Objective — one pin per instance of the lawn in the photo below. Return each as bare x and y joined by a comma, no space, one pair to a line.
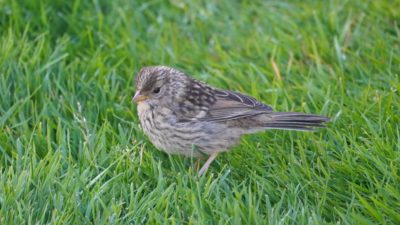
72,151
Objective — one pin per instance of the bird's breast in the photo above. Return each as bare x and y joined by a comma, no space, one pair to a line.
190,138
165,132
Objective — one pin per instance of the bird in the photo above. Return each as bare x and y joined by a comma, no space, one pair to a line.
184,116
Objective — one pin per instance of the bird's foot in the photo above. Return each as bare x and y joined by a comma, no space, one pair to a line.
207,163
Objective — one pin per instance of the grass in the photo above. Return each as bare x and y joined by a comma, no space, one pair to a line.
71,150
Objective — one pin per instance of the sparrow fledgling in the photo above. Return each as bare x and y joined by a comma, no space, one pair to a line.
181,115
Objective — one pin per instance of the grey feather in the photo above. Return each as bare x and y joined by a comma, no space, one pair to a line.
295,121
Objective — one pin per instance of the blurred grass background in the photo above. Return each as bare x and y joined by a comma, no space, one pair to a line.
71,150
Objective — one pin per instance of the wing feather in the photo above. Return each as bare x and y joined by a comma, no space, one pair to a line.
204,103
230,105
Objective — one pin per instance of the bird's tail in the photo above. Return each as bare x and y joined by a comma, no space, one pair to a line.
295,121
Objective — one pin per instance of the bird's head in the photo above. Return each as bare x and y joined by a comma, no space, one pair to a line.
159,85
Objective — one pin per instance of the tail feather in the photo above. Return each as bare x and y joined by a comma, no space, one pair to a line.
295,121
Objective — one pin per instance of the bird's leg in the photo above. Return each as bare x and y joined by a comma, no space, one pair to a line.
207,164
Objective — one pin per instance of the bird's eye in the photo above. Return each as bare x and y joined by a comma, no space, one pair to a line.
156,90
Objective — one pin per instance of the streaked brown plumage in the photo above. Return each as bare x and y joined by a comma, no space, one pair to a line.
181,115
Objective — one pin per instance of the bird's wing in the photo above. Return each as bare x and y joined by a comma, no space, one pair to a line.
204,103
231,105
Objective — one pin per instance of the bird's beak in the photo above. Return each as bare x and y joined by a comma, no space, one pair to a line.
139,97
